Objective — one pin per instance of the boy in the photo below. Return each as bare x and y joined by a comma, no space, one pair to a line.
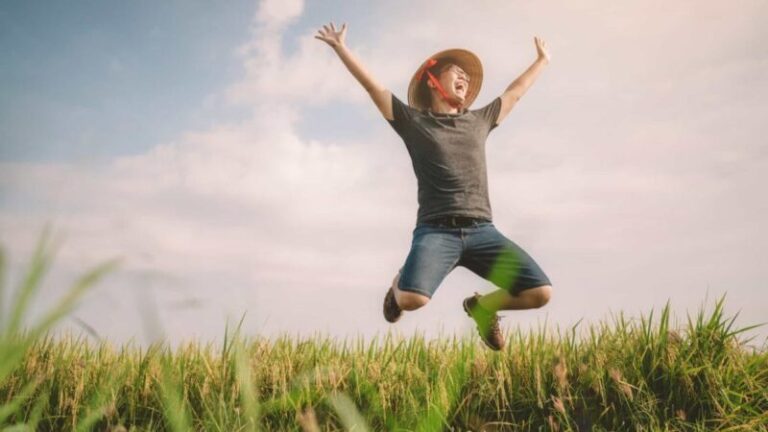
446,142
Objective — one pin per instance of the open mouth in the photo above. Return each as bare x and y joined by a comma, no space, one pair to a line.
460,86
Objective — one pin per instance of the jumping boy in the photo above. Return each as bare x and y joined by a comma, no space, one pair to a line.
446,142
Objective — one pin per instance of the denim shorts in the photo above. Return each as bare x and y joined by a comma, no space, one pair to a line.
436,250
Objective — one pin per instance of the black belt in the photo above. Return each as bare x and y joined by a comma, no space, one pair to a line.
455,221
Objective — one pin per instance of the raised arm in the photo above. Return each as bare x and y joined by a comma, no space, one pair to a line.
517,89
381,96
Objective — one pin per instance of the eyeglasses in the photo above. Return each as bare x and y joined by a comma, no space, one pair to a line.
458,71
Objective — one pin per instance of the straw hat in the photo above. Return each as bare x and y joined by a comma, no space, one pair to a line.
418,92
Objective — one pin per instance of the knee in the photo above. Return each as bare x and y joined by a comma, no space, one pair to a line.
541,295
411,301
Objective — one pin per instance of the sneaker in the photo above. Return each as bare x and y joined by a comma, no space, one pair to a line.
487,323
392,311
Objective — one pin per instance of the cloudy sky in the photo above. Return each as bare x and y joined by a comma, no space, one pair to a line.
235,166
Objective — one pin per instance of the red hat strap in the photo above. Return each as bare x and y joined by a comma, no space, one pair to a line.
425,69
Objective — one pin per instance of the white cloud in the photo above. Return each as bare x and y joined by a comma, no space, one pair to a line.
312,74
277,13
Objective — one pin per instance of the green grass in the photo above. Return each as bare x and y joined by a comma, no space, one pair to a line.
621,374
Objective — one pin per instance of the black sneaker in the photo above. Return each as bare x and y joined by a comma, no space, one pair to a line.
487,323
392,311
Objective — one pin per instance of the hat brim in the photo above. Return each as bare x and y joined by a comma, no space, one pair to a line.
466,60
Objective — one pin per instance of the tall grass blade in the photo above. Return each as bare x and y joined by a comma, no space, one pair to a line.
248,396
348,413
37,268
2,291
14,405
100,404
70,299
174,407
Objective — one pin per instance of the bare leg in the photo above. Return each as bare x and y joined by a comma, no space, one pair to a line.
407,300
527,299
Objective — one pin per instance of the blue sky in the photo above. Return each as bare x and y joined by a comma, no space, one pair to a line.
235,166
98,79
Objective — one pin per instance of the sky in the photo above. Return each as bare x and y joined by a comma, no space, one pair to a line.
237,170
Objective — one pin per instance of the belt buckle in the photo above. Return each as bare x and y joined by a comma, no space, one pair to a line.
460,221
454,221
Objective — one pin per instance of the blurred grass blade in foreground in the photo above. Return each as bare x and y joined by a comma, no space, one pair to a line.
15,340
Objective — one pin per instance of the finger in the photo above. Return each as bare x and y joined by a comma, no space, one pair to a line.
333,28
326,28
344,27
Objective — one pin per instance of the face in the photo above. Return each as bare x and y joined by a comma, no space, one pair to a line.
455,81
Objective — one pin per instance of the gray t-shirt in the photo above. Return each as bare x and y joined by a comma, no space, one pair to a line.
448,156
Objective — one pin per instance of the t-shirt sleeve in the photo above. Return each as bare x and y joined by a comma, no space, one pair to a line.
489,113
402,114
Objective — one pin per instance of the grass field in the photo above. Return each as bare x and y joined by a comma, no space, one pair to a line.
622,374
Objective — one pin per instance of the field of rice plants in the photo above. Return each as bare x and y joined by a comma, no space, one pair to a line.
624,374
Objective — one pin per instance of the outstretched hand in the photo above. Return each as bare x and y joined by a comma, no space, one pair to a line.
329,35
541,48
